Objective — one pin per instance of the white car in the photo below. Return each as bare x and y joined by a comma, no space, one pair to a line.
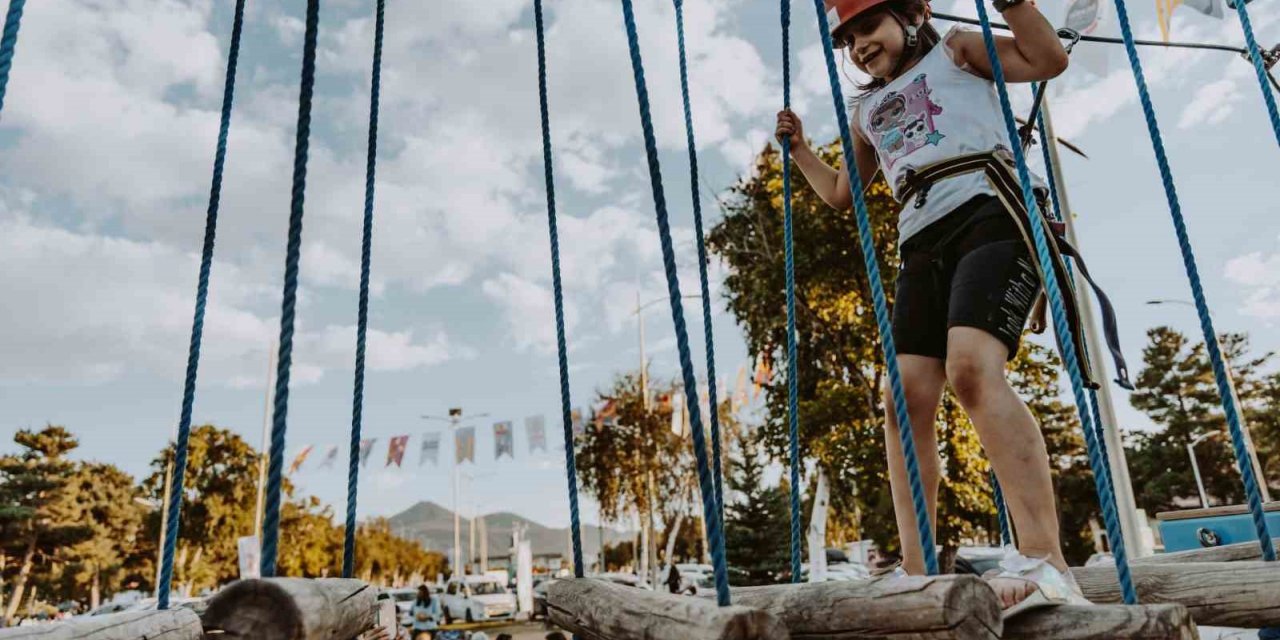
476,598
404,599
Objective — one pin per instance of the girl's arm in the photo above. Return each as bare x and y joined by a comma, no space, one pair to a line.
831,184
1033,54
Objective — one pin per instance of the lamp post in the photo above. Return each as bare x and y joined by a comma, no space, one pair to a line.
1235,399
454,418
644,368
1195,466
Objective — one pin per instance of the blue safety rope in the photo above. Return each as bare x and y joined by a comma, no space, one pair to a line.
275,465
923,522
9,42
362,324
202,294
715,532
1225,388
1002,511
1259,68
702,268
793,403
1097,459
570,465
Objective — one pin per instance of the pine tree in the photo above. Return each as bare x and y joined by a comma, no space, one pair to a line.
757,521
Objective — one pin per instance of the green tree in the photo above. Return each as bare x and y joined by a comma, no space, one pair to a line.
1177,390
34,519
102,497
757,522
385,558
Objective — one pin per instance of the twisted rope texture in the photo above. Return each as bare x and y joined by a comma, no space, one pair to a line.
362,323
8,43
1225,387
793,403
275,464
570,464
713,402
1097,459
1002,511
923,523
1259,67
202,287
715,532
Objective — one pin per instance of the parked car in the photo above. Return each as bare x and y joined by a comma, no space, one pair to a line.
540,598
404,599
476,598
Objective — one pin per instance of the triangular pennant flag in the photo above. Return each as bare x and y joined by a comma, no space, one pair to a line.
465,444
536,430
330,457
579,426
430,448
366,448
503,441
302,456
395,451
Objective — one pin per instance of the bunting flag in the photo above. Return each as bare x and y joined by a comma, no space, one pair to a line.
330,457
579,426
1165,9
464,441
302,456
1089,17
366,448
503,440
607,414
740,389
395,451
430,448
536,430
764,371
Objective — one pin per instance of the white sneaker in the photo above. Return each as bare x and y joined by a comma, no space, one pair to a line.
1052,587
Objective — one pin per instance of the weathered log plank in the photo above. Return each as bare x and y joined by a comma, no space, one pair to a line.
916,607
293,609
600,610
1103,622
1240,551
173,624
1228,594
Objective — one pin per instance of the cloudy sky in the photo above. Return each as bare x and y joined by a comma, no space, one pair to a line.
108,134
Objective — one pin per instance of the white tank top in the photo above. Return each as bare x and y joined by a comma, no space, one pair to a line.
935,111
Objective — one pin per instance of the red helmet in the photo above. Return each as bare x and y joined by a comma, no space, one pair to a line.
841,11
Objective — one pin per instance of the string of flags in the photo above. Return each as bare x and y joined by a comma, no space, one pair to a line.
752,377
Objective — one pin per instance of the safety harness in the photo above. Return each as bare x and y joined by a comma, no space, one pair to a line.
997,167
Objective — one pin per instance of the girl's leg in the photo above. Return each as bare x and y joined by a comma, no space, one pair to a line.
1011,437
922,380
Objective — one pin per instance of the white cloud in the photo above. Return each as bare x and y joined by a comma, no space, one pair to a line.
1259,275
1211,104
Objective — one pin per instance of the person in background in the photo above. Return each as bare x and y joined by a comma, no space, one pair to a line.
426,612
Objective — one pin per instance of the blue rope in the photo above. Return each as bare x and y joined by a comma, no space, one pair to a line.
275,465
715,532
1259,68
570,465
8,42
1229,407
1002,511
713,403
793,403
362,324
1097,459
202,290
923,522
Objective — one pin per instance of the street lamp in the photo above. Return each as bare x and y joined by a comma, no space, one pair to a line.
455,417
1195,467
644,373
1235,399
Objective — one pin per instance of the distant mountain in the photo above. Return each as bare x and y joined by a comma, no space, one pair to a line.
432,525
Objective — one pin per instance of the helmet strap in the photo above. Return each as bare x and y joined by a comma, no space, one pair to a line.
913,37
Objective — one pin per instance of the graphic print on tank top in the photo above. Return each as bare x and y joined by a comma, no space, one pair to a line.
903,122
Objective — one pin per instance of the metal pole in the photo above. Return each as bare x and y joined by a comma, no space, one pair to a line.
1126,505
1195,468
644,369
1244,427
454,416
164,521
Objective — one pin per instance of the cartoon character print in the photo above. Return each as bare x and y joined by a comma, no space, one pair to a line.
903,122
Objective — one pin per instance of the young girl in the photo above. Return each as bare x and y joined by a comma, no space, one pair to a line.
929,118
425,613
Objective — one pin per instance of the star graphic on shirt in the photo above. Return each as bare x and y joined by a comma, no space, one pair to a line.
934,138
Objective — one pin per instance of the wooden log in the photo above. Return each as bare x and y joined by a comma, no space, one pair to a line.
1241,551
173,624
1227,594
600,610
915,607
1103,622
293,609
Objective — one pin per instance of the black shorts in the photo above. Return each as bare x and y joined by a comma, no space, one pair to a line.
969,269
